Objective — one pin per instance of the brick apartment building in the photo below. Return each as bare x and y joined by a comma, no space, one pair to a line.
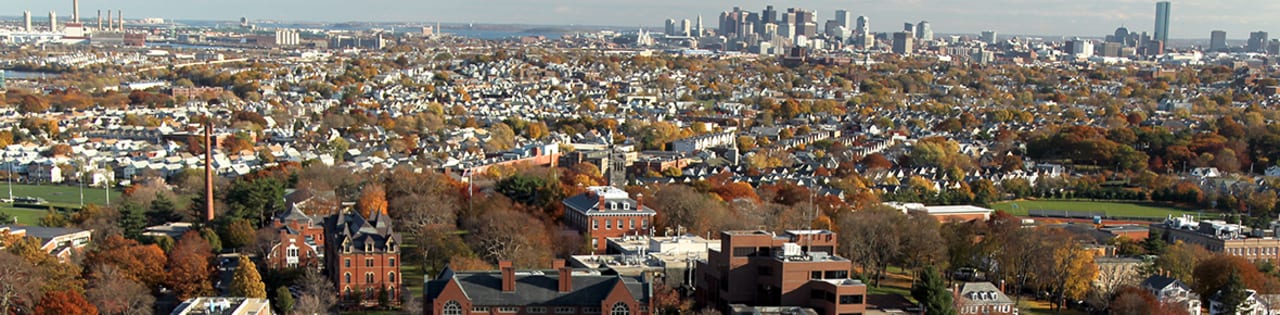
362,257
604,211
759,268
560,291
300,242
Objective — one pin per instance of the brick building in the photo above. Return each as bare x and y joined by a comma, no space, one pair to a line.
603,212
300,242
759,268
982,298
560,291
362,257
1221,237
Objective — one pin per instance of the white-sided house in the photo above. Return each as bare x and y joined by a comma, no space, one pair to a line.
44,173
1273,171
1174,292
1255,304
1205,172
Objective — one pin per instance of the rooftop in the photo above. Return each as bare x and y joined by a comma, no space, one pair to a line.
223,306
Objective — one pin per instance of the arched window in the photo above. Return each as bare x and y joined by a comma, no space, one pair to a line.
391,277
348,276
620,309
368,277
452,308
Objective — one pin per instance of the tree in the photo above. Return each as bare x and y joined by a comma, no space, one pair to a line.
134,261
1132,300
283,300
162,211
237,234
256,199
504,234
132,220
1232,293
373,199
65,303
1180,261
872,238
1071,266
931,290
1209,277
189,270
113,292
316,294
501,138
59,276
20,284
246,282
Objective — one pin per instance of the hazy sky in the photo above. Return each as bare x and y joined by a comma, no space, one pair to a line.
1191,18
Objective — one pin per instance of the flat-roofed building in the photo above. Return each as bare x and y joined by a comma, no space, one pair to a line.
793,269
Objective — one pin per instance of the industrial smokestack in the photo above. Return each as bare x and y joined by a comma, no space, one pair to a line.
75,11
99,20
208,165
53,21
120,15
26,20
111,24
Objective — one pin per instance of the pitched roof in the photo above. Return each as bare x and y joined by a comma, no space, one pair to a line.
1159,282
616,202
537,288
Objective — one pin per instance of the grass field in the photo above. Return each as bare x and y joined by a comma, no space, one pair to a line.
61,196
1116,209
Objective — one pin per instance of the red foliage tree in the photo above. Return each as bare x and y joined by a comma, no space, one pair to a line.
65,303
138,262
189,270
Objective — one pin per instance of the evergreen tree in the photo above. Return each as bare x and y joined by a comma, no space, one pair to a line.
931,291
162,211
1232,294
132,220
284,300
246,282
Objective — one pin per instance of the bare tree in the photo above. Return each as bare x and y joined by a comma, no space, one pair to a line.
114,293
873,239
20,284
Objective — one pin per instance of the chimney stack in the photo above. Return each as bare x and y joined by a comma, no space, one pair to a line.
600,197
75,11
508,276
99,20
111,23
208,164
639,202
1001,286
120,15
566,275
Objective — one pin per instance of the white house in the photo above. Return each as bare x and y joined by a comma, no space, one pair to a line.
1174,292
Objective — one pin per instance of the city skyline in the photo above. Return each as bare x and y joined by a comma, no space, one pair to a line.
1191,19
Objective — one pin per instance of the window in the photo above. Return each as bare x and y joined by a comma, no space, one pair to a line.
346,262
368,277
837,274
815,275
620,309
633,224
391,248
292,252
368,262
608,224
591,310
391,277
536,310
391,262
743,251
482,309
595,243
595,224
644,308
851,299
508,309
348,277
644,223
565,310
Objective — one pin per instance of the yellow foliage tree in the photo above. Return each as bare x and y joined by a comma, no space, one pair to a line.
372,199
246,282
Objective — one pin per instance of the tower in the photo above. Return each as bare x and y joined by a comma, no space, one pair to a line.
864,25
53,21
208,167
698,31
1162,22
120,15
75,11
99,20
26,21
1257,42
989,37
924,31
111,24
902,43
1217,40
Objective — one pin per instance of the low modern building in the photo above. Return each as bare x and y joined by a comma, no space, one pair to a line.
945,213
562,291
223,306
604,211
59,242
760,268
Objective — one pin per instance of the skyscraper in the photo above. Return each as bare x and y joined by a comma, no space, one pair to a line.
989,37
864,25
698,31
1257,42
844,18
1162,22
909,28
902,43
1217,41
670,30
686,29
769,15
924,31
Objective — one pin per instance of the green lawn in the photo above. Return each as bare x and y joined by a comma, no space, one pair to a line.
61,196
1116,209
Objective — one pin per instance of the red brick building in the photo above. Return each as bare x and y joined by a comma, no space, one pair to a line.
362,257
759,268
603,212
300,242
560,291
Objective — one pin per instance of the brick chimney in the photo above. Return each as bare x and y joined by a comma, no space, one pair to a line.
955,291
639,202
508,276
566,276
1001,286
600,197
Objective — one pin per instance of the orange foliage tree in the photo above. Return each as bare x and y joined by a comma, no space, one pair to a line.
189,269
372,199
1211,274
65,303
138,262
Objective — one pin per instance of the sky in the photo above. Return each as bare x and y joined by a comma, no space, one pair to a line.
1091,18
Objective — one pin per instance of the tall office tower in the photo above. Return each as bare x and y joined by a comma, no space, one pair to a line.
806,23
902,43
989,37
864,25
53,21
1257,42
671,27
1120,36
1080,48
686,28
698,31
728,20
924,31
909,28
75,11
26,21
1162,22
770,15
844,19
1218,41
753,22
1273,48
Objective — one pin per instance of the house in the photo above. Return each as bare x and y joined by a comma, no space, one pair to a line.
224,306
362,257
797,268
300,242
1205,172
1173,292
562,290
1254,304
59,242
1273,171
982,298
604,211
44,173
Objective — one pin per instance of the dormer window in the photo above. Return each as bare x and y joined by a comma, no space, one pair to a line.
391,247
368,247
626,206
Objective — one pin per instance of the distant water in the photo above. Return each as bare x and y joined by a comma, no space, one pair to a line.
26,75
502,34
